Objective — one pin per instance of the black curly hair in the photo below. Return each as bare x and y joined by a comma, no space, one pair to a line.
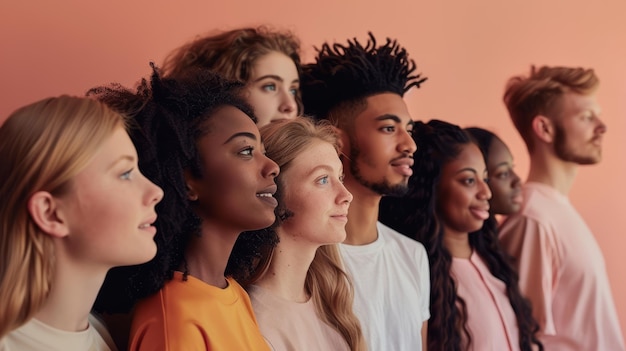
416,216
343,76
168,117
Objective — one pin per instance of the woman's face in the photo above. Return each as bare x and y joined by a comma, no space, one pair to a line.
236,189
109,208
315,195
462,193
503,182
272,88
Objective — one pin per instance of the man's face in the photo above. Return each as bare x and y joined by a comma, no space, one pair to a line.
579,130
380,146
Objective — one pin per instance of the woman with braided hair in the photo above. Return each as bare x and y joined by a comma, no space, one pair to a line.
475,302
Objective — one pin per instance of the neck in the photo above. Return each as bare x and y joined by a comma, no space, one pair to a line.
546,168
73,290
457,243
207,255
362,215
288,269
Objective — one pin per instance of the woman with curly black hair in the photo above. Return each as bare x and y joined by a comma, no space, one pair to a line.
476,303
198,140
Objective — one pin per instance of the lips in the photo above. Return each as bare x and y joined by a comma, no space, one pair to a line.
480,212
340,217
267,195
148,225
517,198
403,166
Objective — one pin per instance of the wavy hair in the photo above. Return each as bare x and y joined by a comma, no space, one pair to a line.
326,281
540,92
416,215
169,116
232,53
43,146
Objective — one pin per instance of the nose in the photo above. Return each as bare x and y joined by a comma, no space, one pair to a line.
288,105
484,193
601,128
154,193
344,195
270,168
516,181
406,143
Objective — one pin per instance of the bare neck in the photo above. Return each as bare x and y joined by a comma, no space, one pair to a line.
362,215
546,168
457,243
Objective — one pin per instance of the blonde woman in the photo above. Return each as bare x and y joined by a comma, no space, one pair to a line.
300,294
74,205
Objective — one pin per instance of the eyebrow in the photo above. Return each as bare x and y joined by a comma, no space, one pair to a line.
241,134
467,169
505,163
394,118
273,76
325,167
122,158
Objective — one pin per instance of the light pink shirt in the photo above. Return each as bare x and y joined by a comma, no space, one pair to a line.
490,317
562,272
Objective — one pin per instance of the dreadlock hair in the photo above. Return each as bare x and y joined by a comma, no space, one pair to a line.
169,116
336,86
416,216
326,281
540,94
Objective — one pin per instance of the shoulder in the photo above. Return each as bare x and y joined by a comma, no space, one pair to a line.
400,242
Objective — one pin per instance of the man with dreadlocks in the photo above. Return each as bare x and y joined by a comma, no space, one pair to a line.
360,89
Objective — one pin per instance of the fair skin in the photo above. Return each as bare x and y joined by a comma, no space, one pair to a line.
463,199
503,181
234,194
104,220
314,192
382,156
563,142
272,88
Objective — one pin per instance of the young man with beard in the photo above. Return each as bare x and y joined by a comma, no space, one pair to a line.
360,90
561,267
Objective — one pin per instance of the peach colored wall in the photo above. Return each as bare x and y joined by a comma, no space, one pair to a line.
467,48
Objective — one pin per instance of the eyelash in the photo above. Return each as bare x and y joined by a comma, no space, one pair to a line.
324,178
126,175
247,151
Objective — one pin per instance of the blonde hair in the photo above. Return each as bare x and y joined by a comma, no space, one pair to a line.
326,281
42,147
540,93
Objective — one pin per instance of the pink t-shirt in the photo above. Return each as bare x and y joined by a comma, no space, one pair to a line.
490,317
562,272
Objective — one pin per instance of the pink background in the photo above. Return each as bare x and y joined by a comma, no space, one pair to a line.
468,49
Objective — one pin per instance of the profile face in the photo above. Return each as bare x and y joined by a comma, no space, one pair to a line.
462,193
109,208
505,185
579,130
381,148
315,195
272,88
236,188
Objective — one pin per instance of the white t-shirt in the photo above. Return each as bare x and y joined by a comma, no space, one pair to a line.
37,336
392,289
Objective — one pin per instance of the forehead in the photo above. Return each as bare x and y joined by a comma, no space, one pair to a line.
317,153
498,153
226,121
384,104
274,63
468,157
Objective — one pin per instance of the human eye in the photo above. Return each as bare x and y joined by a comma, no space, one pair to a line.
503,175
468,181
323,180
269,87
293,91
127,175
246,151
341,178
388,129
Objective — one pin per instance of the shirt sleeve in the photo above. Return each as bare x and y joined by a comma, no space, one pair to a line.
533,246
424,278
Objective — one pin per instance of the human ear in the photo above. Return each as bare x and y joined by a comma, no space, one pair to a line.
543,128
343,143
45,212
192,195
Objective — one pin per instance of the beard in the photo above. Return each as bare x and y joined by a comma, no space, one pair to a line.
569,154
383,187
